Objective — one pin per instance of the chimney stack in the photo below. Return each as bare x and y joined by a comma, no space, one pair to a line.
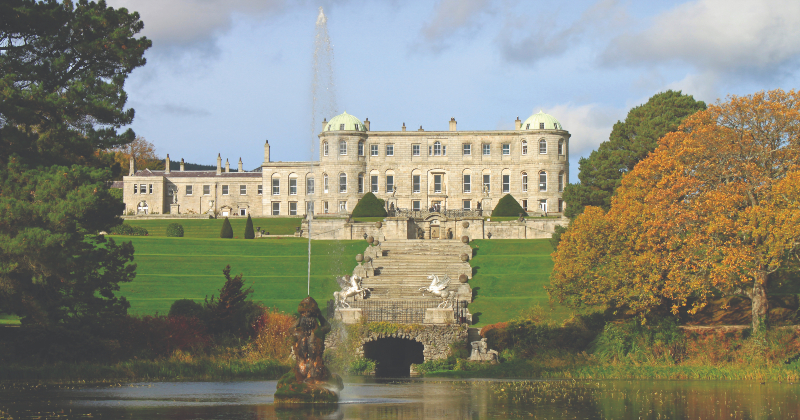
166,170
132,169
227,166
239,169
324,123
420,129
266,152
517,124
219,164
404,127
452,124
182,167
366,123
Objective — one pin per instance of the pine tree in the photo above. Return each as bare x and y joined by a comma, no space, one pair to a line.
227,230
249,232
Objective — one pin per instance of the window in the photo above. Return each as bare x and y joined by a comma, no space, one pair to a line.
506,183
309,186
467,205
276,186
342,182
342,206
506,149
373,150
389,150
541,126
361,148
325,148
224,190
543,181
525,205
437,183
309,207
560,205
389,183
206,189
487,149
341,126
524,147
561,182
292,186
466,149
136,188
325,207
415,149
150,191
325,183
415,183
242,189
260,189
276,208
242,212
188,190
561,147
415,205
527,126
542,147
373,180
543,205
360,183
293,208
467,183
437,149
143,189
342,147
524,182
487,183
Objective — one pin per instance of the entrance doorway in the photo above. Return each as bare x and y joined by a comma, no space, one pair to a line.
394,356
435,232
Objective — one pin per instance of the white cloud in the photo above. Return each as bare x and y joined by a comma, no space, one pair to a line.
452,17
744,37
589,125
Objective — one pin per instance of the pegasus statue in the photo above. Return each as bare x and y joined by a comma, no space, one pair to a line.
351,286
438,288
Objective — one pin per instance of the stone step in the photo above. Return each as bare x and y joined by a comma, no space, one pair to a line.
473,334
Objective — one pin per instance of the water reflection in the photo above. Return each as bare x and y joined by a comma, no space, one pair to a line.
418,399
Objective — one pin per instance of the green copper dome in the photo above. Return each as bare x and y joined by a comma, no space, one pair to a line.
541,121
345,122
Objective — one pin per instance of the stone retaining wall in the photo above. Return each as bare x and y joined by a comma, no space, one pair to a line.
435,339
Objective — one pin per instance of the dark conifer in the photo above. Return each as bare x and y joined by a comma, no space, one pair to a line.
249,232
227,230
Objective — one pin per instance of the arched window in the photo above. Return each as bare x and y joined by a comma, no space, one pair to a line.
361,148
325,148
524,147
437,149
342,147
542,181
561,147
325,183
524,182
342,182
543,147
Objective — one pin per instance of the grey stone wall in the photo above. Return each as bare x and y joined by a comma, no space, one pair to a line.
435,339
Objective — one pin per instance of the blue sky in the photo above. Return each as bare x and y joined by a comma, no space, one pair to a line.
225,75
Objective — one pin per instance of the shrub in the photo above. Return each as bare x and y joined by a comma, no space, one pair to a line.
508,206
249,232
187,308
126,229
555,239
227,230
272,335
630,341
175,230
369,206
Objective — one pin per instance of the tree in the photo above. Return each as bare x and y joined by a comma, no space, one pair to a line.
714,210
144,154
229,313
226,231
508,206
249,232
630,142
62,71
369,206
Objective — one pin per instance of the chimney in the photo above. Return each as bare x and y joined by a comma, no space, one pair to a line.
324,123
132,169
452,124
266,152
420,129
366,123
517,124
227,166
219,164
239,169
182,167
404,127
166,170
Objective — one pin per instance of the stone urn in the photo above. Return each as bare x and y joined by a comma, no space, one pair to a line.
465,239
463,278
360,258
378,224
464,257
465,224
367,259
370,240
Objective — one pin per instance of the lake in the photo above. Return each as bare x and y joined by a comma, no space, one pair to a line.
370,398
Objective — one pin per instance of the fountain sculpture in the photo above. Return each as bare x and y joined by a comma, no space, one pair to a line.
309,381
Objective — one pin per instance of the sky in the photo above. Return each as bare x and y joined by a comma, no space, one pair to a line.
223,76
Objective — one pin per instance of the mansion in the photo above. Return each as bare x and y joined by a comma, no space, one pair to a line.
410,170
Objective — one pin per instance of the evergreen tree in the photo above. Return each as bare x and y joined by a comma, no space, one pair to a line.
630,142
249,232
228,313
507,207
369,206
62,71
227,230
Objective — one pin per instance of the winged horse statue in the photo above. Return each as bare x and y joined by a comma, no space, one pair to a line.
351,286
438,288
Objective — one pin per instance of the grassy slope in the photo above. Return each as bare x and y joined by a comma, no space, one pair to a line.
510,276
177,268
209,228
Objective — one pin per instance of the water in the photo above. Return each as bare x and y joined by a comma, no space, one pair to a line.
418,399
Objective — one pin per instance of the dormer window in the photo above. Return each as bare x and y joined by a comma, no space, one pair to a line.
341,127
541,126
527,127
329,127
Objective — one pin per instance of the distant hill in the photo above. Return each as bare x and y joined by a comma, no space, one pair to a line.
175,166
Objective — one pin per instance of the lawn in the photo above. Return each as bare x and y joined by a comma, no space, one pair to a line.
510,275
190,268
209,228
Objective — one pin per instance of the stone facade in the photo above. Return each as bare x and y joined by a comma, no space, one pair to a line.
412,170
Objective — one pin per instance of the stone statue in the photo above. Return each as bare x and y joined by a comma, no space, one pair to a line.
438,288
310,381
351,286
481,352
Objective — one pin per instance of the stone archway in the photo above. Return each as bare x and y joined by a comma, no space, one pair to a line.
394,356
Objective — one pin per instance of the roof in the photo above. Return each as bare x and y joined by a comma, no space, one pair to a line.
117,184
535,121
197,174
345,122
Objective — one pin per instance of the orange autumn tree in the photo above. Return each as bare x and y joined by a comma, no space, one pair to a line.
715,209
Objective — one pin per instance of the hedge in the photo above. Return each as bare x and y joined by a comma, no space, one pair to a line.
126,229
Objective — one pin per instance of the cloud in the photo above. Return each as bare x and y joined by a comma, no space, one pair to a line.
589,125
451,18
182,110
740,37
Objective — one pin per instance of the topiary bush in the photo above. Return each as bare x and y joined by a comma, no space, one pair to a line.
508,206
249,232
369,206
227,230
126,229
175,230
